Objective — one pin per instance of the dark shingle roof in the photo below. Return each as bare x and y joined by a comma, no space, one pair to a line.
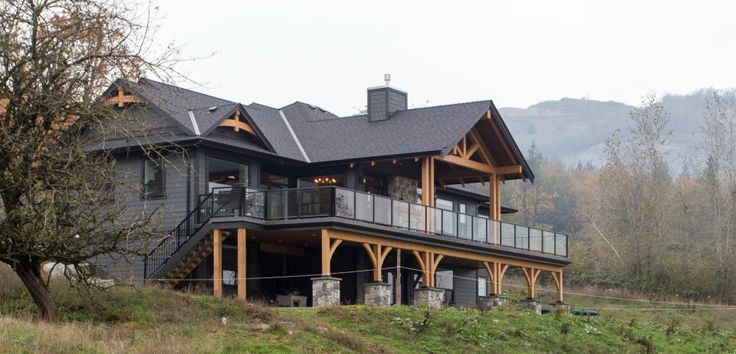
304,132
176,102
326,137
274,129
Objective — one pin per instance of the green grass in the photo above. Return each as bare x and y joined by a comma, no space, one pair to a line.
151,320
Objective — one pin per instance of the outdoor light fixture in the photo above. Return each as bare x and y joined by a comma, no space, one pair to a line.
325,180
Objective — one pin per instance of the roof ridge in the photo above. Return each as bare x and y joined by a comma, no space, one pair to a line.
184,89
428,107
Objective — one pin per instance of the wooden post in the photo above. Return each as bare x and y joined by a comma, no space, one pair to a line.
217,262
397,281
328,249
428,181
557,277
495,198
242,249
325,254
531,276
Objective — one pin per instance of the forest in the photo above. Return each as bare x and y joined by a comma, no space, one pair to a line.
633,222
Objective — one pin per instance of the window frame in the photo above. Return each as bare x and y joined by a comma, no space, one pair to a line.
144,190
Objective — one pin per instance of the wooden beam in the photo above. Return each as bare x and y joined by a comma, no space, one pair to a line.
487,114
416,247
242,250
238,125
121,99
478,166
217,262
485,154
508,170
503,142
467,174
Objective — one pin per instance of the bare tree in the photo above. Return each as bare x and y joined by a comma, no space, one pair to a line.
56,57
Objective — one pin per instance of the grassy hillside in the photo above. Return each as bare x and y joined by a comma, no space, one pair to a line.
159,321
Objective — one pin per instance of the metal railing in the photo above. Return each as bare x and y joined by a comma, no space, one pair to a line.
171,243
313,202
345,203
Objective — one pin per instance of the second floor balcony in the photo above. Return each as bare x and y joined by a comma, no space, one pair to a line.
341,203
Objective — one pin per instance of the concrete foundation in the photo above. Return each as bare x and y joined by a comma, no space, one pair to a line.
325,291
429,297
532,304
377,294
493,301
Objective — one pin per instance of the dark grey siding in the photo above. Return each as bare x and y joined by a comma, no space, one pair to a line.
377,105
397,101
383,102
166,213
466,287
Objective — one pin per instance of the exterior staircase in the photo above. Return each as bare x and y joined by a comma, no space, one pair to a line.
185,247
190,261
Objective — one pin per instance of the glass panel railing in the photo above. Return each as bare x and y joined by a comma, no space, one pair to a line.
276,205
548,242
400,217
382,210
449,223
494,232
435,220
561,245
535,240
508,234
314,202
480,232
417,217
522,237
345,201
364,206
254,204
465,226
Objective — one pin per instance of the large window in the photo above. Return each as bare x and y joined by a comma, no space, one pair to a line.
226,174
153,178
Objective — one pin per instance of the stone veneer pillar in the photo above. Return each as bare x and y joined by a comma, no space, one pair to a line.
429,297
533,304
377,294
325,291
493,301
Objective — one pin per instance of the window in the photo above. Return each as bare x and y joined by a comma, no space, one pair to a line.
443,204
223,174
153,178
482,287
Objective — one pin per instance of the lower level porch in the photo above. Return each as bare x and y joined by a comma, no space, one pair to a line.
291,267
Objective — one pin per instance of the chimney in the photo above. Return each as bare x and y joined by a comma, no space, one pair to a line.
384,101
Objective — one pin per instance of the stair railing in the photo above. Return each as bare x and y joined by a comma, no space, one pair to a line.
181,234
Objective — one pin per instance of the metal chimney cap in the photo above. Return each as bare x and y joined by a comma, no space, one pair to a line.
387,78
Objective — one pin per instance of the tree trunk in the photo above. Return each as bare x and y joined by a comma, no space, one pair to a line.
30,275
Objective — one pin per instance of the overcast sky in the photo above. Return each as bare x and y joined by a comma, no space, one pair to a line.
514,52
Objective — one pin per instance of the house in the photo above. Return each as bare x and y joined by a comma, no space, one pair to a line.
301,206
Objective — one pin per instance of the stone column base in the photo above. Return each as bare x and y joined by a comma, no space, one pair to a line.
493,301
377,294
560,308
325,291
533,304
429,297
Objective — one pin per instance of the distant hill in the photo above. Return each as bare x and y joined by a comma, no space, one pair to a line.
575,130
